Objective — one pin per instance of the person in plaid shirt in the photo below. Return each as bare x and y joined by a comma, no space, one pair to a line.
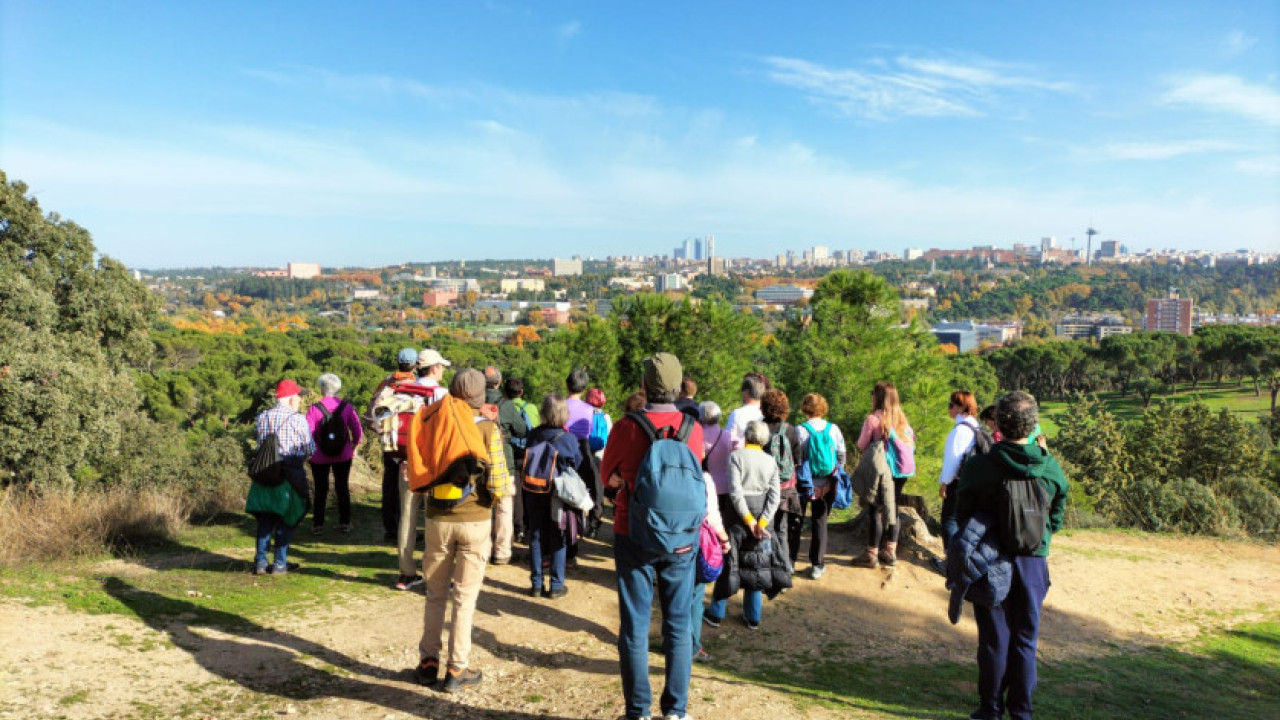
280,508
458,543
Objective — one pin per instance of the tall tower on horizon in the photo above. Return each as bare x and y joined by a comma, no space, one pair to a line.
711,246
1088,252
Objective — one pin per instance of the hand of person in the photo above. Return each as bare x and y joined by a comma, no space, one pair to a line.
759,532
942,491
490,411
725,546
615,480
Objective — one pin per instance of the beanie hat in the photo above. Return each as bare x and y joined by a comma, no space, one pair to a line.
468,385
662,372
595,397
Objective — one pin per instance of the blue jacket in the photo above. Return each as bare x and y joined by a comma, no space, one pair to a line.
977,569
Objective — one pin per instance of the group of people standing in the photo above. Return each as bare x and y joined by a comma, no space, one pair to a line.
762,478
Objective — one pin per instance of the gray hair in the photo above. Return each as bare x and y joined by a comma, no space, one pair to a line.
709,413
492,377
757,433
752,386
330,384
1017,415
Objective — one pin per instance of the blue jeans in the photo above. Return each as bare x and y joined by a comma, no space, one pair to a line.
752,606
695,615
674,574
1007,642
544,535
272,526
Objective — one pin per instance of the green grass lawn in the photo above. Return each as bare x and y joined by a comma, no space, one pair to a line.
1237,399
1225,676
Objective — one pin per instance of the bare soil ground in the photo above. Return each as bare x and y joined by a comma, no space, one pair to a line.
556,659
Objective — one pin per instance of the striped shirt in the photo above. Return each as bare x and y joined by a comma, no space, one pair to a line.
293,437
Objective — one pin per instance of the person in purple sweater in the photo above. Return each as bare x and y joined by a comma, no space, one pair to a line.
337,459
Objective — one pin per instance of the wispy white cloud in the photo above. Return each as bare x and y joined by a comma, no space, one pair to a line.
569,30
303,77
907,86
1262,165
1227,94
1238,43
1163,150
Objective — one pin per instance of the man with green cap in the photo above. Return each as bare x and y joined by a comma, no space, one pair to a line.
639,568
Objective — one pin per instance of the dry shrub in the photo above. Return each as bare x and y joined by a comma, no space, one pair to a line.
65,524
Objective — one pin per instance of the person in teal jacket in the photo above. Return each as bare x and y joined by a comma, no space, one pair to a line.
281,507
1007,633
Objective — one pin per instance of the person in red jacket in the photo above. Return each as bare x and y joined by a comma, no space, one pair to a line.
637,571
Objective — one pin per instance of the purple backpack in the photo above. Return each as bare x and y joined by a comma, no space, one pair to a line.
901,455
710,558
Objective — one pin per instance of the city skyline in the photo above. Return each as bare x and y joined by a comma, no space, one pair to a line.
185,136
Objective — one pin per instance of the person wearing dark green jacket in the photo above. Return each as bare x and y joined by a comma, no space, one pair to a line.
1007,634
508,513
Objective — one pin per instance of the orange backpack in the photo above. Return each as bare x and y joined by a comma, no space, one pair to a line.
448,457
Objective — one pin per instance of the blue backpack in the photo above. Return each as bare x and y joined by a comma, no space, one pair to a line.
599,430
668,500
822,451
842,499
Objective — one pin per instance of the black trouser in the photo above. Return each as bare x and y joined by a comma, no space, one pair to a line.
876,528
391,494
518,520
341,486
819,510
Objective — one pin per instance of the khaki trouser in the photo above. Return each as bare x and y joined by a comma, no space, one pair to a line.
456,551
411,509
503,528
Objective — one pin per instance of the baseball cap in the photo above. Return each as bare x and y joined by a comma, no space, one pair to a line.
662,372
407,356
430,357
287,388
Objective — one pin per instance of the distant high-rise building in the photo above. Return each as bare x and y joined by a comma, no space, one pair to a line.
821,252
1168,314
913,253
677,253
698,253
566,267
303,271
1110,249
1048,243
711,246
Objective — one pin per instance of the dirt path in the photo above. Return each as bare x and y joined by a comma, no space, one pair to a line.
556,659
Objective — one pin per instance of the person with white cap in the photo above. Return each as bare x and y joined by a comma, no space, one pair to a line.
430,370
406,363
279,508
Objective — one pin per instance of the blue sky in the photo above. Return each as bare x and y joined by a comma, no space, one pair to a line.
186,134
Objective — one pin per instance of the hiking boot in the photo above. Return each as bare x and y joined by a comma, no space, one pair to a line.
457,680
559,592
816,572
869,560
404,582
889,554
428,672
537,592
710,621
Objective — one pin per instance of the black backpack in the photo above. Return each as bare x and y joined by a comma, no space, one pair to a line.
1022,512
265,467
331,434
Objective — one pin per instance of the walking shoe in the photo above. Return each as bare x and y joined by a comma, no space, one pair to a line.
816,571
701,656
889,554
345,528
499,561
317,529
537,592
260,570
869,560
710,621
674,716
559,592
628,717
283,569
750,625
404,582
428,672
457,680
